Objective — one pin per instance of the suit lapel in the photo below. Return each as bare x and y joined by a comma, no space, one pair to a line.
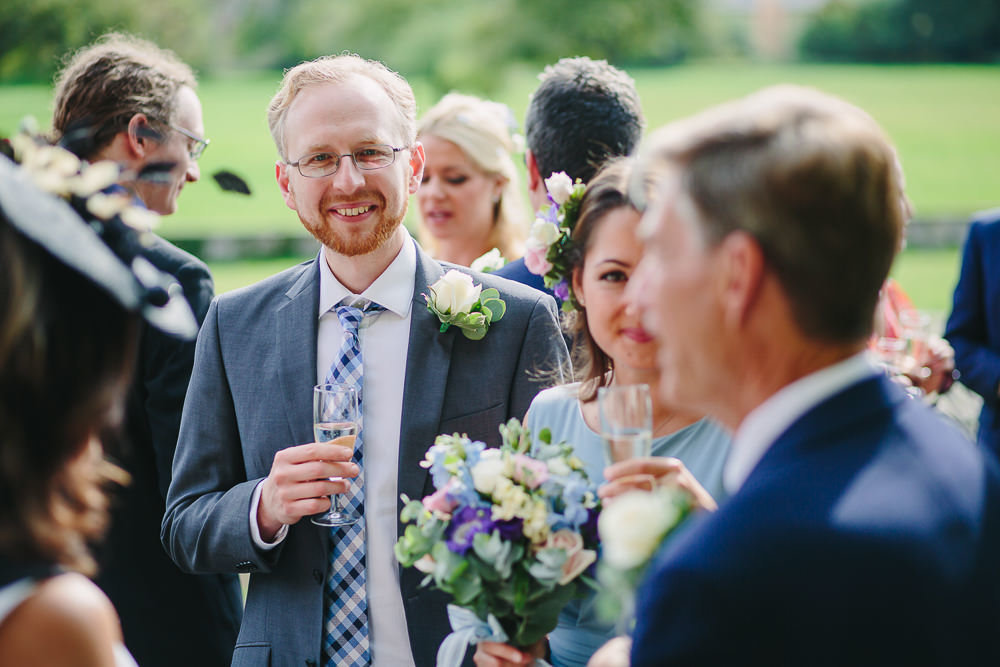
427,362
825,423
296,324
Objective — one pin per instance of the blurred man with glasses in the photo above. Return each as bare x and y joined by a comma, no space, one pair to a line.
126,100
247,474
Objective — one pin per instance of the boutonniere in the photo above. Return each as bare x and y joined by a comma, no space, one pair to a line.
458,302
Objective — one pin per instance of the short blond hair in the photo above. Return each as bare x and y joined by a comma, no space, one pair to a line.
336,69
813,179
483,130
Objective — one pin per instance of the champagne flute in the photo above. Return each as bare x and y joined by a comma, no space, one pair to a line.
916,327
336,419
626,413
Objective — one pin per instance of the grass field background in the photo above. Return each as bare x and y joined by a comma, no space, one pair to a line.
945,121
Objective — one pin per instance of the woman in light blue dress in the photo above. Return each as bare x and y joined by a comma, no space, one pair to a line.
611,348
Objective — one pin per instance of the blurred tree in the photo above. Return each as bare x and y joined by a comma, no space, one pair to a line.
452,43
36,36
904,31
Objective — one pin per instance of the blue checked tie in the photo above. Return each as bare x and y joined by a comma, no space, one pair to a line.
345,595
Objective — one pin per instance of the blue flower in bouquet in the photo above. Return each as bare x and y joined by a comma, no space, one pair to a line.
505,534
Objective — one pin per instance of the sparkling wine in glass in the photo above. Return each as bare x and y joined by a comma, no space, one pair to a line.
626,414
336,419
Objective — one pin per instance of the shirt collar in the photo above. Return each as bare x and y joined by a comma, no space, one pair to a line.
393,289
771,418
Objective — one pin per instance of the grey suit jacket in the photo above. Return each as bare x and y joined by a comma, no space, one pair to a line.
250,396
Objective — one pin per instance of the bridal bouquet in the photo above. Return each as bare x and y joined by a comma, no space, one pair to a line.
508,534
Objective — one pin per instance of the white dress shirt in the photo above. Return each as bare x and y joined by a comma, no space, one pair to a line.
384,340
771,418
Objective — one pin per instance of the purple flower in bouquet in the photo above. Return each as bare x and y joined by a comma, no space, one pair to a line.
511,530
466,523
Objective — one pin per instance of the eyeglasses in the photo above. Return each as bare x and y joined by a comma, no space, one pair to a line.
317,165
199,146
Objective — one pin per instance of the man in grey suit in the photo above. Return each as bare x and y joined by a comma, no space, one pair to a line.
244,484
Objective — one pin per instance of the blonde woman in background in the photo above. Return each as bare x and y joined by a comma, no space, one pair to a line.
470,199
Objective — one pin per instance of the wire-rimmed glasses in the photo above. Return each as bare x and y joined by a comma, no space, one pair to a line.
200,143
375,156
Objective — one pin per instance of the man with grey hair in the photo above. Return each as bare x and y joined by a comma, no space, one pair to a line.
125,99
248,476
861,528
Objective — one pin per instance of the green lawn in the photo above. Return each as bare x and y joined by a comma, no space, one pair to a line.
943,119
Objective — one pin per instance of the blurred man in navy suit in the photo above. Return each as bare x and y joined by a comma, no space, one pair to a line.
974,325
862,528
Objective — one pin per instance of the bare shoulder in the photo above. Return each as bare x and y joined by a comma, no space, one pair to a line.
68,620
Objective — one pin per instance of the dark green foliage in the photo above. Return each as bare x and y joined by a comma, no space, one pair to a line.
905,31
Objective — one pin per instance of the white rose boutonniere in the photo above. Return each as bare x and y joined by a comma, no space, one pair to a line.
458,302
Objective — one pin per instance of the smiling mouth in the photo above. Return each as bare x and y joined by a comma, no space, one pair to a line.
352,212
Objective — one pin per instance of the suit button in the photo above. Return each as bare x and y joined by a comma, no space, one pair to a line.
246,566
318,576
310,663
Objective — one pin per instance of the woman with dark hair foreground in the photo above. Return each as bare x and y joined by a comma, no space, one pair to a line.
68,335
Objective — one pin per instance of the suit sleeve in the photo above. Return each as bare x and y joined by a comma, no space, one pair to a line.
679,623
543,361
166,369
967,328
206,527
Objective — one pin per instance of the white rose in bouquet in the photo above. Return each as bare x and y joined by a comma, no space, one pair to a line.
487,471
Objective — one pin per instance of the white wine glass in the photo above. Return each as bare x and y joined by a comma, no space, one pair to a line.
626,413
336,419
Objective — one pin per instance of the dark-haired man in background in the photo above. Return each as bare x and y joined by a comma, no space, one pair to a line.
583,113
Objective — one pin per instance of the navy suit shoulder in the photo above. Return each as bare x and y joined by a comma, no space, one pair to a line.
519,273
973,327
864,536
156,602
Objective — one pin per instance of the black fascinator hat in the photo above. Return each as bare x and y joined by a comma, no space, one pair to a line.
62,204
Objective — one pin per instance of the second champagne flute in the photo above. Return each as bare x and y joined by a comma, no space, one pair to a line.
336,419
626,413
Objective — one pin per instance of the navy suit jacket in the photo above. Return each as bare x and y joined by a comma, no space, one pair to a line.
973,328
518,272
168,617
250,395
868,534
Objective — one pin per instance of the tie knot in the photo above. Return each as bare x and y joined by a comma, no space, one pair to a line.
351,316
